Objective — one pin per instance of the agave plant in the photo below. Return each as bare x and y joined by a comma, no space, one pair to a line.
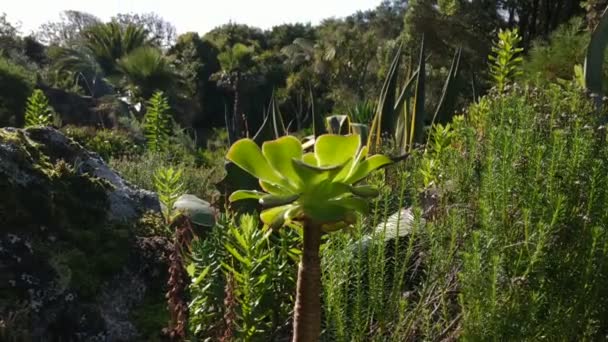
316,190
401,112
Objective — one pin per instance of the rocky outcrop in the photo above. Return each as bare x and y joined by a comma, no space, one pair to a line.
75,262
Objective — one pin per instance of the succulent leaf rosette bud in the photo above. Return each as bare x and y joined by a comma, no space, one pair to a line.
319,186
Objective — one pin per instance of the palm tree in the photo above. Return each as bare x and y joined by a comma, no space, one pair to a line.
96,62
235,62
84,68
110,42
146,70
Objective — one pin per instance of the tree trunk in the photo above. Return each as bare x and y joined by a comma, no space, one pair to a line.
238,122
534,19
307,312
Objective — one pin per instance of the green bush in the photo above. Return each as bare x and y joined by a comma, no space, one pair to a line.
243,276
16,84
139,169
38,112
108,143
556,58
536,263
515,246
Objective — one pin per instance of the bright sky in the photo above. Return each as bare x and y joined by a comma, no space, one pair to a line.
188,15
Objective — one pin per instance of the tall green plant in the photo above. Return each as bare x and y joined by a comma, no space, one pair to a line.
403,117
315,190
506,60
169,187
157,122
362,112
181,212
38,112
248,247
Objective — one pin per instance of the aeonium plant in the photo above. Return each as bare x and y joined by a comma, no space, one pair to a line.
317,190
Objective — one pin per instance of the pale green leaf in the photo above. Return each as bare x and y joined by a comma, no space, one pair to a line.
269,216
274,189
336,149
278,153
310,158
245,194
366,167
246,154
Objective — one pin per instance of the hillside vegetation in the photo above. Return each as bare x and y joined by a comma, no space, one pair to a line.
426,170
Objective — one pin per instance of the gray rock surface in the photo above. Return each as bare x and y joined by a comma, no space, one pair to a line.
72,265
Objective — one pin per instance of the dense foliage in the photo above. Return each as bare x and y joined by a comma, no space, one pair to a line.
486,222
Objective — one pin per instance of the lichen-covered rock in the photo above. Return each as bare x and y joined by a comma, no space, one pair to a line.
73,266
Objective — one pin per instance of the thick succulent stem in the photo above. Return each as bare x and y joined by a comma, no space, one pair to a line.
307,312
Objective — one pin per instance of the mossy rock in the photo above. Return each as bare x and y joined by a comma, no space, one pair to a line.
68,244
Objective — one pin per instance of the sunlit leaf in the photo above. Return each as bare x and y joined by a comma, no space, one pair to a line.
336,149
278,153
245,194
268,216
367,166
247,155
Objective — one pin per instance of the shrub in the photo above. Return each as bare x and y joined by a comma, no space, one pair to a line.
38,112
514,245
16,85
108,143
157,122
139,169
556,58
242,280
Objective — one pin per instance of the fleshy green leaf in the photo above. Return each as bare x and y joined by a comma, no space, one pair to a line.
279,152
293,213
365,191
313,175
328,189
274,189
352,165
336,149
247,155
366,167
353,203
269,216
245,194
326,212
274,200
309,158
